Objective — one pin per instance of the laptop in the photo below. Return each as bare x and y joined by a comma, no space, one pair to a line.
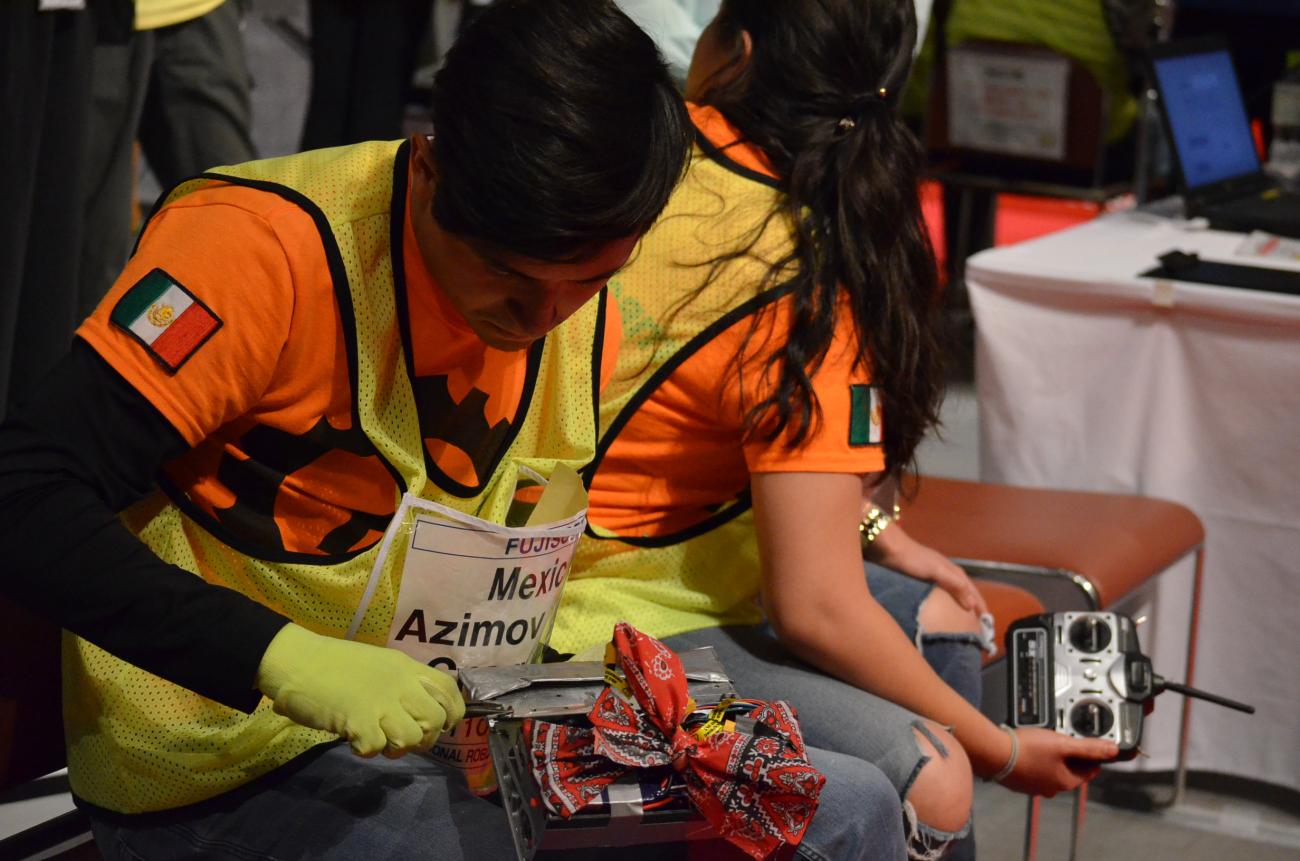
1219,173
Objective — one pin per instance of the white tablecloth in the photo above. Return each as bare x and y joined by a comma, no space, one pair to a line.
1091,378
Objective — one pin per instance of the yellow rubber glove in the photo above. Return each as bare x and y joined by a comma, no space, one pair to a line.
380,700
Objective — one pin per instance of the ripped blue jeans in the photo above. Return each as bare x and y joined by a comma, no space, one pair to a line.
846,719
954,656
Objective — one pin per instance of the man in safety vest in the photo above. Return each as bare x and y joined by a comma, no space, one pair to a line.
199,491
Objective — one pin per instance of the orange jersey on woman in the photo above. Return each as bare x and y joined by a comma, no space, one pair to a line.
672,545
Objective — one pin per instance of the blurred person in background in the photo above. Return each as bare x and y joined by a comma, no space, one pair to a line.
180,86
363,54
675,25
45,82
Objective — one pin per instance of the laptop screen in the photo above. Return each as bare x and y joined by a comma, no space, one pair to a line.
1206,117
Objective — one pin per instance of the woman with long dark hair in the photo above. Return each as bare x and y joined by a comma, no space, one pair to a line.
779,356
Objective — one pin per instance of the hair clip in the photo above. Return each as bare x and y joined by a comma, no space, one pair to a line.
848,123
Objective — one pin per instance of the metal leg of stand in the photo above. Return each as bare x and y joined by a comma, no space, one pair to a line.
1076,824
1142,155
1031,828
958,254
1180,768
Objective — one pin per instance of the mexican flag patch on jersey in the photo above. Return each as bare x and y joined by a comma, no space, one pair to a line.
866,426
166,318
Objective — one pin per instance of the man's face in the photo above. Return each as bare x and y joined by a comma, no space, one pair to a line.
508,300
511,301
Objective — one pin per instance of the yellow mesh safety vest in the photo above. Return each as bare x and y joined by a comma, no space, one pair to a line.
709,574
137,743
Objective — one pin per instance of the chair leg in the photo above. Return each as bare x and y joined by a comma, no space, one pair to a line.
1031,828
1175,795
1076,824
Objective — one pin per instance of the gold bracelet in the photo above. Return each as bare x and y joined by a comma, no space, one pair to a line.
875,522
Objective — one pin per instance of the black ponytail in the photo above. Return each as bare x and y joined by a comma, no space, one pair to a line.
816,96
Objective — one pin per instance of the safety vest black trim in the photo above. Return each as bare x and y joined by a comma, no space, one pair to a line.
343,296
597,368
719,155
742,501
435,473
733,509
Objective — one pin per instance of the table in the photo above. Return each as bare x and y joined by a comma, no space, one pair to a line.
1092,378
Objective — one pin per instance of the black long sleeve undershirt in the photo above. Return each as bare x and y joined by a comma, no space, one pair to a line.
85,448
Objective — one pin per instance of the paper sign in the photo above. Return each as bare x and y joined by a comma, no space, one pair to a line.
1013,105
478,594
564,497
477,597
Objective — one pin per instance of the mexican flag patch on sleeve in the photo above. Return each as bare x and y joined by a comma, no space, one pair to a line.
166,318
866,426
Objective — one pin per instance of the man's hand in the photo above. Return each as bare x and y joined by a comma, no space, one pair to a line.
1050,762
380,700
895,549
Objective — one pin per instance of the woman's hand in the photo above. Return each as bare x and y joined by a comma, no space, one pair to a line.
895,549
1050,762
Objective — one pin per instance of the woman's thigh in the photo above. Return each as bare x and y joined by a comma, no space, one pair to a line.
900,595
953,655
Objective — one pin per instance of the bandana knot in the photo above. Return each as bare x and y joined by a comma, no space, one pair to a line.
755,786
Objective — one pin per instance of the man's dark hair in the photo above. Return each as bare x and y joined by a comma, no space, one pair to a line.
556,128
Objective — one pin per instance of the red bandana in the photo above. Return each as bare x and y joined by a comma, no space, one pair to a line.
757,789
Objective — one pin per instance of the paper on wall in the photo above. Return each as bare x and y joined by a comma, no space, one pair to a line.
1013,105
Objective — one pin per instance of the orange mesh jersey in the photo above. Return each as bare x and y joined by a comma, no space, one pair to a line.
280,467
672,545
279,320
667,463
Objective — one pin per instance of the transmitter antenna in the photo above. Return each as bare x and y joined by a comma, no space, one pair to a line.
1159,684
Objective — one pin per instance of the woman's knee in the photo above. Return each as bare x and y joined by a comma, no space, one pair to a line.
941,614
943,789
